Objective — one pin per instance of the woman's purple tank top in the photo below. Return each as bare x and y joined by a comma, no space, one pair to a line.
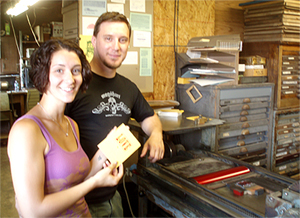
64,169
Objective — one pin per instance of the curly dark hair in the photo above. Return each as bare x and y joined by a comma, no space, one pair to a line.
111,17
41,58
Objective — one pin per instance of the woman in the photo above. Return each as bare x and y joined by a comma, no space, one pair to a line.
51,173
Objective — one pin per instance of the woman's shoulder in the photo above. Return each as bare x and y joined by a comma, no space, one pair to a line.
24,134
27,124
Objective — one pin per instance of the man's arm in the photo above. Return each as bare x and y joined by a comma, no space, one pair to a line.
153,128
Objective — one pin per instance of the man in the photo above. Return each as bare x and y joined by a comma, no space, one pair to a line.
110,100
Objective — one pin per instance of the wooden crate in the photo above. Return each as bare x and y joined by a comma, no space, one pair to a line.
278,64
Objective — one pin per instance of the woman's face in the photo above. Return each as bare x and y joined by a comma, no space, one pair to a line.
65,76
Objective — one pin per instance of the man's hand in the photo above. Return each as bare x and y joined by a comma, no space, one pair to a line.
156,147
153,128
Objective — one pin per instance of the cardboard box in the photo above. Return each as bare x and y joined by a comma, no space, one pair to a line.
252,60
255,72
57,29
42,33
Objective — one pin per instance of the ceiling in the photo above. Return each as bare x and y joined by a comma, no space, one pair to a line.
43,12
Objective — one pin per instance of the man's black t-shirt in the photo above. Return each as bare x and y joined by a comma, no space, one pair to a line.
106,103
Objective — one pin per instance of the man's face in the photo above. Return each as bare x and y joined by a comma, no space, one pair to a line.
111,44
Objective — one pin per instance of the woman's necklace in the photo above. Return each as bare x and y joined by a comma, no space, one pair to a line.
66,133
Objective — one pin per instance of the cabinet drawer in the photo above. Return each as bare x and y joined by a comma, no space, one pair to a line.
293,144
290,58
286,168
244,149
288,150
239,141
290,72
246,118
243,100
256,158
286,136
240,107
247,131
243,93
287,158
242,113
242,125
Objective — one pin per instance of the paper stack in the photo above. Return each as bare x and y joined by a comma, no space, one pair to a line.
272,21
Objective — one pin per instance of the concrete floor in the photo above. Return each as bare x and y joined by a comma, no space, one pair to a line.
7,195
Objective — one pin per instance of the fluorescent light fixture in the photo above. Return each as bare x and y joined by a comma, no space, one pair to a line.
21,7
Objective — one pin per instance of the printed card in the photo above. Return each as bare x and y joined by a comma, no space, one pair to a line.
119,145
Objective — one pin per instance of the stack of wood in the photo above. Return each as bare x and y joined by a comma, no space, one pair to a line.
272,21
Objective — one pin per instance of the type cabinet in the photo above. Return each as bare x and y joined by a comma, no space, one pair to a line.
283,65
247,111
286,141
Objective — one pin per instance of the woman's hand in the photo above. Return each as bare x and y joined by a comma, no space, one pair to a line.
109,175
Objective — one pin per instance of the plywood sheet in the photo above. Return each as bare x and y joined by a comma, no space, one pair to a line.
171,32
163,22
164,76
195,18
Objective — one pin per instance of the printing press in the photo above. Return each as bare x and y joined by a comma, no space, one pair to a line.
204,184
199,183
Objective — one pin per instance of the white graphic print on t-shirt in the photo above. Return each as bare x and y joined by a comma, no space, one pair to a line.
111,105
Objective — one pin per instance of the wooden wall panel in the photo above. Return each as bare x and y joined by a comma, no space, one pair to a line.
195,18
164,76
229,17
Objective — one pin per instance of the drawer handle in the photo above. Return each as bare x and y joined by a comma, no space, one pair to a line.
243,113
240,143
245,132
245,125
240,137
246,100
243,119
243,150
246,107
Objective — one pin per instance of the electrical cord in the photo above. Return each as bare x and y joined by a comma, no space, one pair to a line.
32,30
13,29
127,196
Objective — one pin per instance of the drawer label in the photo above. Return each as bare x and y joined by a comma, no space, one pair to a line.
286,72
282,167
281,154
257,163
290,82
226,134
